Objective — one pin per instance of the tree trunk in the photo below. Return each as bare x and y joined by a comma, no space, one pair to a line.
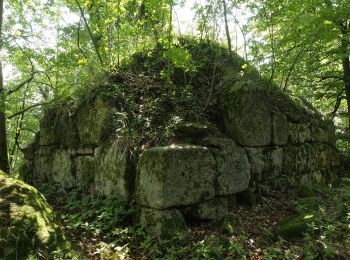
346,65
226,26
4,163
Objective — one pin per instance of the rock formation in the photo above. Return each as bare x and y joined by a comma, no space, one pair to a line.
266,141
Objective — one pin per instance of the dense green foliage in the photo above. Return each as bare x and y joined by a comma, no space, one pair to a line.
303,47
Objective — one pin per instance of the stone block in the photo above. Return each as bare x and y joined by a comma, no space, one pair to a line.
247,116
233,168
175,175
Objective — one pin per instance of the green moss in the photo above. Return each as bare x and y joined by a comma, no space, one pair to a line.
27,223
308,203
306,190
229,224
295,226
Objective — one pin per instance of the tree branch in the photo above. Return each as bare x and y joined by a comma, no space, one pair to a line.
29,108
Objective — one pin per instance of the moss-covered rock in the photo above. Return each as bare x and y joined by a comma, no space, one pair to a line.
175,175
248,115
111,174
229,224
295,226
28,226
164,224
95,121
306,190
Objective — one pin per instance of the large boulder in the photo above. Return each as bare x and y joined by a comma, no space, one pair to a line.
175,175
266,163
28,226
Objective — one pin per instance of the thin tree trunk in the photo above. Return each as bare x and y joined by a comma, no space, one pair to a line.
4,163
226,26
346,65
90,32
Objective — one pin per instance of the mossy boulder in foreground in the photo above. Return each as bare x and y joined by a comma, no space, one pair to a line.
28,226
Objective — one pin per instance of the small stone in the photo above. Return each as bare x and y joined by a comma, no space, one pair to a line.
305,190
229,224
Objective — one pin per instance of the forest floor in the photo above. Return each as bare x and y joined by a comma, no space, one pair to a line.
103,230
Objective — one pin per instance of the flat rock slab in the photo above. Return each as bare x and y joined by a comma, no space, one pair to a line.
175,175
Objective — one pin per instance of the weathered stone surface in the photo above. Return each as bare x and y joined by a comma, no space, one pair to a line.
213,209
247,116
85,150
41,169
61,171
163,224
233,168
94,121
265,162
28,226
58,127
191,128
299,133
111,174
85,173
308,158
176,175
47,135
323,132
279,129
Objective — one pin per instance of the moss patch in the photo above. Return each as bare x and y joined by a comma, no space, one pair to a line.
28,226
296,225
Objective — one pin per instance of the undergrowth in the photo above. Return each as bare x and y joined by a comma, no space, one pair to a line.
107,228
